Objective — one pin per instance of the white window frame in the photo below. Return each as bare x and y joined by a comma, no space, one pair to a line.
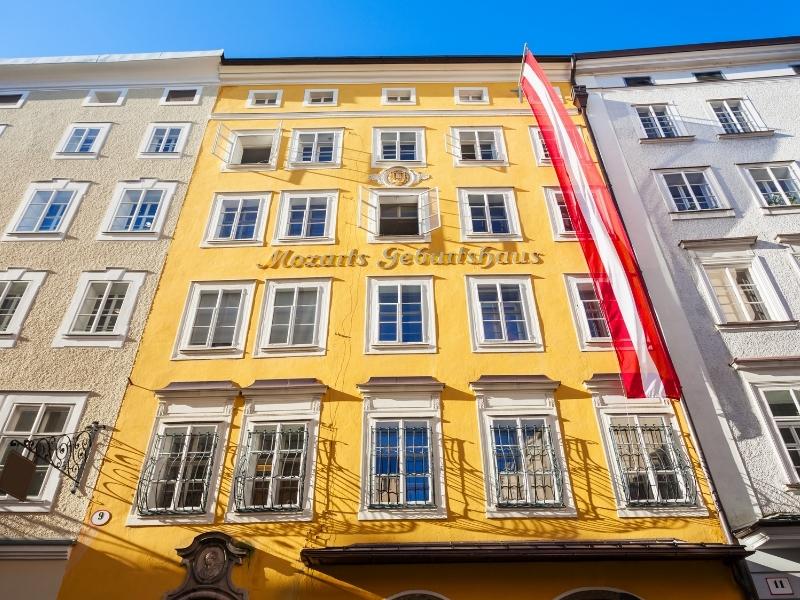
183,138
759,384
97,146
291,159
182,350
533,344
393,405
554,213
613,403
307,97
181,407
723,208
34,279
428,343
427,212
499,140
280,238
586,341
168,192
759,199
236,147
751,114
523,402
673,115
484,94
539,150
512,214
377,149
53,479
387,91
3,127
91,97
65,337
287,405
78,187
20,103
320,344
209,239
252,95
198,93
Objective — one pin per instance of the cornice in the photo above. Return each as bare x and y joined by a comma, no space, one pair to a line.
422,383
767,363
309,387
354,114
788,238
712,243
510,383
198,389
604,383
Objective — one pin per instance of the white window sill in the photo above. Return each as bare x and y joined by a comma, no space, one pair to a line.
481,163
149,155
544,163
667,140
297,166
711,213
75,155
399,239
568,512
128,235
98,340
207,353
788,209
667,511
231,243
31,506
382,163
401,514
491,237
269,517
597,346
34,236
307,241
534,346
748,134
320,104
565,237
757,325
289,351
248,167
401,349
136,520
8,339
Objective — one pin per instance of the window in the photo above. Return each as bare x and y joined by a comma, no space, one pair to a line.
47,211
3,128
796,69
18,288
488,214
783,407
295,317
254,148
259,98
737,295
563,228
215,320
402,475
690,190
306,218
398,96
650,461
26,416
181,95
164,140
177,476
316,149
138,210
237,219
12,99
736,116
398,145
101,309
400,315
471,95
657,121
321,97
590,323
638,81
709,76
83,140
399,215
777,184
475,146
105,97
539,148
503,314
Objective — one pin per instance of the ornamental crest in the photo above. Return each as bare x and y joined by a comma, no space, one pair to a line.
208,561
398,176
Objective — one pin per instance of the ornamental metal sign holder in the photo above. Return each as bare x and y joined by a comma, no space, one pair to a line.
67,452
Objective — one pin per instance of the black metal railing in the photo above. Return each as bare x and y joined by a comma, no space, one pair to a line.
400,473
653,468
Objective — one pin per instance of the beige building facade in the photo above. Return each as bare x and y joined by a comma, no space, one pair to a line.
95,156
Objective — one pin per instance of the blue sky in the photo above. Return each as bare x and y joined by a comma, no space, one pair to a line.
360,27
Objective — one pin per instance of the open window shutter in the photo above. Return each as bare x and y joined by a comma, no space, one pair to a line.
276,144
367,211
429,209
452,145
292,151
224,141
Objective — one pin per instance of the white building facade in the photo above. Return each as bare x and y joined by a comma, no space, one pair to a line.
701,145
96,153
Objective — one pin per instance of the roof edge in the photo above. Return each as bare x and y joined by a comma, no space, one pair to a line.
672,49
109,58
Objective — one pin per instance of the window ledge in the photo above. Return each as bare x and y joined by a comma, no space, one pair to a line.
757,325
748,134
207,353
31,506
269,517
400,163
399,239
128,235
481,163
136,520
230,243
711,213
248,167
665,512
492,237
315,241
160,155
793,488
289,351
34,236
89,340
75,155
545,512
786,209
291,166
597,346
400,348
534,346
667,140
409,514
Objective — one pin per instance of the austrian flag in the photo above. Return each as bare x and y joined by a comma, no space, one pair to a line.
645,365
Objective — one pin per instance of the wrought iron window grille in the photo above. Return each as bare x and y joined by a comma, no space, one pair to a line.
654,470
271,471
66,452
177,475
400,467
528,473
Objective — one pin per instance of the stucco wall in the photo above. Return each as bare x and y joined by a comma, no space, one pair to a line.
26,148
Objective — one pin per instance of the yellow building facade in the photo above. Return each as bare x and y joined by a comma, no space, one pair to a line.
374,368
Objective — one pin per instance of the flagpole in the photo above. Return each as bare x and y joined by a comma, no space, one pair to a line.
521,67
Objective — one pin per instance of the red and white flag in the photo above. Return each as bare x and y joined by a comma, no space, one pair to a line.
645,365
